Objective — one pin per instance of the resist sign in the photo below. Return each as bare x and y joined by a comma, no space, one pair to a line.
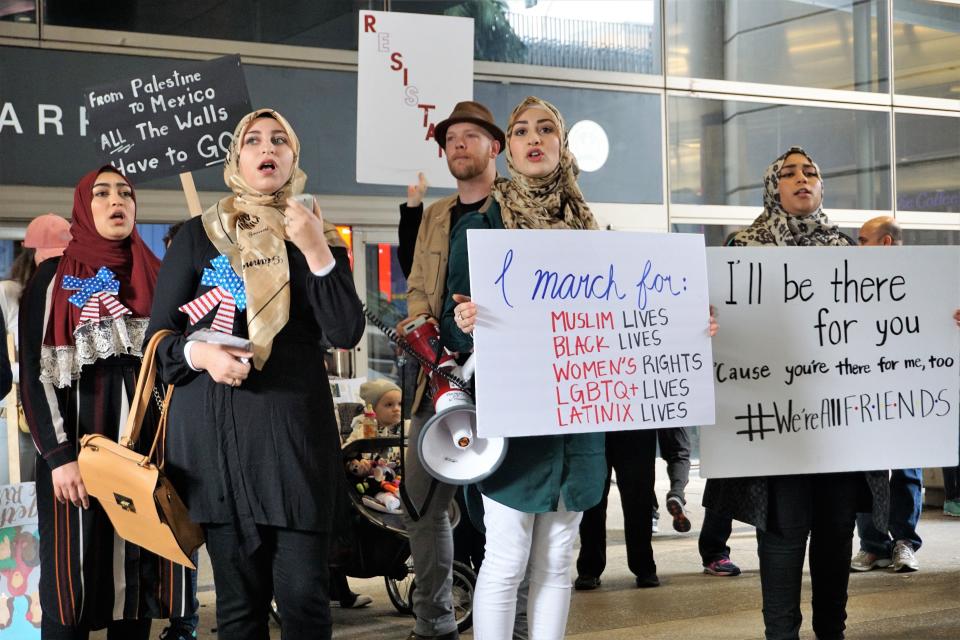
582,331
412,70
169,121
833,359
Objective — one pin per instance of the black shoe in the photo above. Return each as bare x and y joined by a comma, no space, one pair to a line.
648,581
586,583
453,635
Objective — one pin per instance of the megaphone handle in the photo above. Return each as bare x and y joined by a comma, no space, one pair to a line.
469,367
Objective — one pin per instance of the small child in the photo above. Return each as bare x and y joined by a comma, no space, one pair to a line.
384,397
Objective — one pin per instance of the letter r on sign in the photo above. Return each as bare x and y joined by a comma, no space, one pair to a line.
369,20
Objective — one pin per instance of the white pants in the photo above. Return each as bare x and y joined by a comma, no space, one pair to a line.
514,538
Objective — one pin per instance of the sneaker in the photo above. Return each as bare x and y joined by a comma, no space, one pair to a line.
680,521
952,508
722,567
178,632
865,561
904,559
655,527
586,583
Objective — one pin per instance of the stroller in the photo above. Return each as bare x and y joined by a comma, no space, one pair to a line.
378,545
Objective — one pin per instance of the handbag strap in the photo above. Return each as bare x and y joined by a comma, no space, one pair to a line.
161,436
143,393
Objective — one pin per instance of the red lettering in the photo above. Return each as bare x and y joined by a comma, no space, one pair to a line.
431,130
426,111
397,58
405,76
369,20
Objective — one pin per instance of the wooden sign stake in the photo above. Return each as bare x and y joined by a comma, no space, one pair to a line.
190,191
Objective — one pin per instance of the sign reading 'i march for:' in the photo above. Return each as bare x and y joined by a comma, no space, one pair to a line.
171,120
584,331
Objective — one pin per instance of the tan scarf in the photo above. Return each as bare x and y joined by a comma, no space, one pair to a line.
553,201
247,228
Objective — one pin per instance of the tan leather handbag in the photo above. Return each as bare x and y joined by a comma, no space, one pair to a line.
140,501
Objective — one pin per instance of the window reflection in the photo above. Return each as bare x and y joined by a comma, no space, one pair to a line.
387,299
926,40
18,11
839,44
928,163
330,24
719,150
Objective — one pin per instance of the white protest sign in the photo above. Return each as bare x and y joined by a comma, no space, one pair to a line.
411,71
582,331
833,359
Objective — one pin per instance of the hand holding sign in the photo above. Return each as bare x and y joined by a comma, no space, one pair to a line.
465,313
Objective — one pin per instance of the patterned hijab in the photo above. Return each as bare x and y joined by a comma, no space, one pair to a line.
247,228
553,201
777,227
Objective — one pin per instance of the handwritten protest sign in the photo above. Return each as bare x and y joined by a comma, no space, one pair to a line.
582,331
172,120
19,562
411,71
833,359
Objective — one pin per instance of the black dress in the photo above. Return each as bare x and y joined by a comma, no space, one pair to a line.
89,576
267,452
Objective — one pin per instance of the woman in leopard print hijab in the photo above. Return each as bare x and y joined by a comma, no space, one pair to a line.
792,216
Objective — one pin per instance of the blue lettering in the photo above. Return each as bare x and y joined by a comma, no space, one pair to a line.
657,283
571,286
502,280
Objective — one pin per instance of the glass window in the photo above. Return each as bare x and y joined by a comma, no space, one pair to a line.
827,44
926,39
928,163
330,24
18,11
606,35
719,150
387,299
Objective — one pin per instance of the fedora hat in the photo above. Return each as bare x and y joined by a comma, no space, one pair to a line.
475,113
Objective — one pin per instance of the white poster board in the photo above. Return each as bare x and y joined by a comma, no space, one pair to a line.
411,71
584,331
833,359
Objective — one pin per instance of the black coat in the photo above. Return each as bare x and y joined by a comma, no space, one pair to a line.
266,452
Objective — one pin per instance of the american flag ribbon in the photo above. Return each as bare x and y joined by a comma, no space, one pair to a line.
92,293
227,292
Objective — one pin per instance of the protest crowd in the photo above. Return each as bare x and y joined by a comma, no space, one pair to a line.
294,490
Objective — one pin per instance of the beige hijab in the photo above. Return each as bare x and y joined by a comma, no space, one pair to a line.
553,201
247,228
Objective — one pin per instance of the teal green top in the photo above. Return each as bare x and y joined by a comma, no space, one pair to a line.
538,471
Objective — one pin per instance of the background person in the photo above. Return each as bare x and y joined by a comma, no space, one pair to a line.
253,446
471,141
77,378
898,544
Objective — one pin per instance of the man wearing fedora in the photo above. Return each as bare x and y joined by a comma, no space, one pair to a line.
471,141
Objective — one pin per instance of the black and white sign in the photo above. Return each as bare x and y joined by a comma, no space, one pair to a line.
171,120
833,359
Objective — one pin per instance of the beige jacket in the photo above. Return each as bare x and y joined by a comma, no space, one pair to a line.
428,276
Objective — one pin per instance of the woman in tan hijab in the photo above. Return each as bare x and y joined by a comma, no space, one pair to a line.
253,445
